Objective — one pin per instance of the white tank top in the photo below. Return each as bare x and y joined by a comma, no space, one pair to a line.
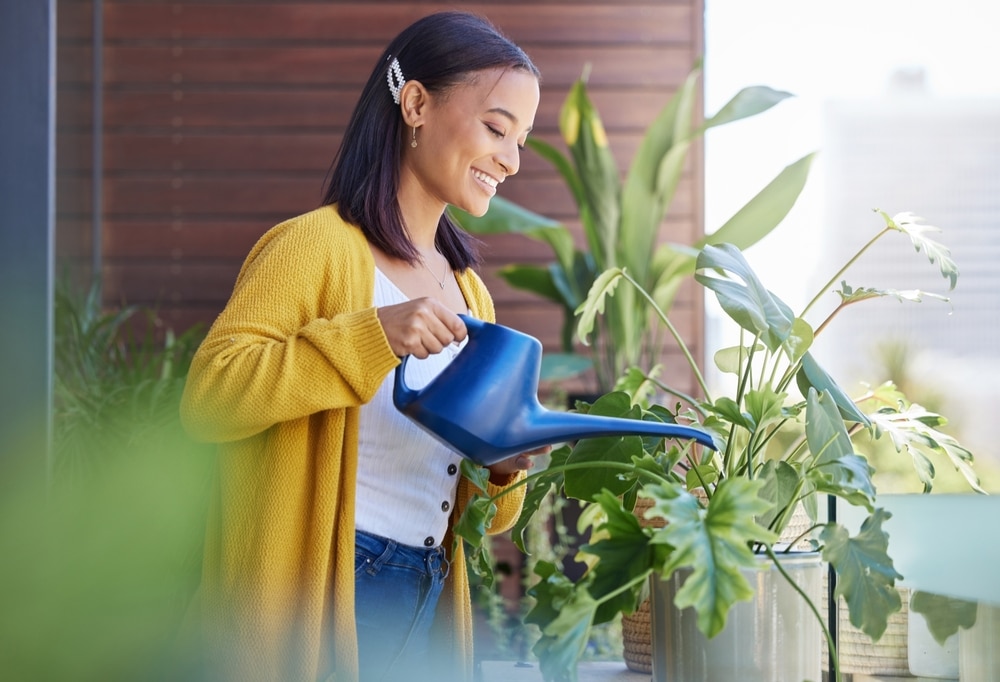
406,478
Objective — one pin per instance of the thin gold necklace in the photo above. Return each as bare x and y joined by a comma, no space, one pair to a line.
440,280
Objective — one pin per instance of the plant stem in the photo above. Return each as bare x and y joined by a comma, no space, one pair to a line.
673,332
812,607
828,319
691,402
627,586
801,535
622,466
833,280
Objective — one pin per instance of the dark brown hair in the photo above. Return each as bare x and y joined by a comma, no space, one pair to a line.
440,50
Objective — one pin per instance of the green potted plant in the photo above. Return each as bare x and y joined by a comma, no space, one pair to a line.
620,220
784,436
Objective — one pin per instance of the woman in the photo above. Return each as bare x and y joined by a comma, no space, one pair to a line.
320,478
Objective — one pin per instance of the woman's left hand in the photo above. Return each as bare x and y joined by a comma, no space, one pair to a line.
523,461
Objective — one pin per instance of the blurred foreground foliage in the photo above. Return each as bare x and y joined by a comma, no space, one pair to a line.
99,563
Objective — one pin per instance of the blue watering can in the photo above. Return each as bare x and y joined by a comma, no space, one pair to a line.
485,403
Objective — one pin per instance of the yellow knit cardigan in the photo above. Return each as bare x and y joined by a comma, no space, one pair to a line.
278,383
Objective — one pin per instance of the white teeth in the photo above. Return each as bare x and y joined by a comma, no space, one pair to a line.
492,182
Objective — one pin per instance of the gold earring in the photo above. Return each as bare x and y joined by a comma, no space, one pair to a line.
413,143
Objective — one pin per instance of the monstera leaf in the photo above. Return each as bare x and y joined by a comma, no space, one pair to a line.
714,543
865,574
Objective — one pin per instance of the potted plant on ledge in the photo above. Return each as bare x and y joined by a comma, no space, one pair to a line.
784,438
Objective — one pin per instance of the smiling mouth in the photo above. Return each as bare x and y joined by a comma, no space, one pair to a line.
487,179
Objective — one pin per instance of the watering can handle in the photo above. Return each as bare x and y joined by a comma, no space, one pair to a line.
473,325
405,393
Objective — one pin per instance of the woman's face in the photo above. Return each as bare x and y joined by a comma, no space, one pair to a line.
471,138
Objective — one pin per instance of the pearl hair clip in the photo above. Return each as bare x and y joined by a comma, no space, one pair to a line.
395,77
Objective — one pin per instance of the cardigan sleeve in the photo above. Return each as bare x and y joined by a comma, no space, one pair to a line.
508,507
298,336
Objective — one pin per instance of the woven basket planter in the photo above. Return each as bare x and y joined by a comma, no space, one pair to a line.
637,641
857,652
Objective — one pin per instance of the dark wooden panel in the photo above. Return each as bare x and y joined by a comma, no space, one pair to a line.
365,22
170,283
632,65
213,240
72,193
276,152
205,240
74,151
328,109
222,117
73,64
75,21
279,195
74,109
182,239
273,153
282,195
200,283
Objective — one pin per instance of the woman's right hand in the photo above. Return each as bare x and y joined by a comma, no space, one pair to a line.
420,327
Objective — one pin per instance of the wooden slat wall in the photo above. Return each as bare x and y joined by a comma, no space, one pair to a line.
221,118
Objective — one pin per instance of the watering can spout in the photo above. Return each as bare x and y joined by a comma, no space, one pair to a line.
485,403
569,426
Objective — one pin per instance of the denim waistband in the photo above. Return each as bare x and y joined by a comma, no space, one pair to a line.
432,560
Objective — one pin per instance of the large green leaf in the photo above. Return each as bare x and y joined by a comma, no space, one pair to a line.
670,265
544,483
585,483
533,278
477,516
597,169
730,410
502,217
849,295
731,360
574,281
759,216
653,176
564,614
865,574
825,432
836,468
766,406
914,427
625,555
713,543
743,296
563,166
747,102
604,287
812,376
754,221
918,234
944,615
781,485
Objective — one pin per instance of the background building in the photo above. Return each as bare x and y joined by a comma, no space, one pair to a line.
940,158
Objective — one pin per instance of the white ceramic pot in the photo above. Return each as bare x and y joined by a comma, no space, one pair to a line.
773,638
979,646
927,658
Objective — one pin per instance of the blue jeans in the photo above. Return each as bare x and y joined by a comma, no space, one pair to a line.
396,593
